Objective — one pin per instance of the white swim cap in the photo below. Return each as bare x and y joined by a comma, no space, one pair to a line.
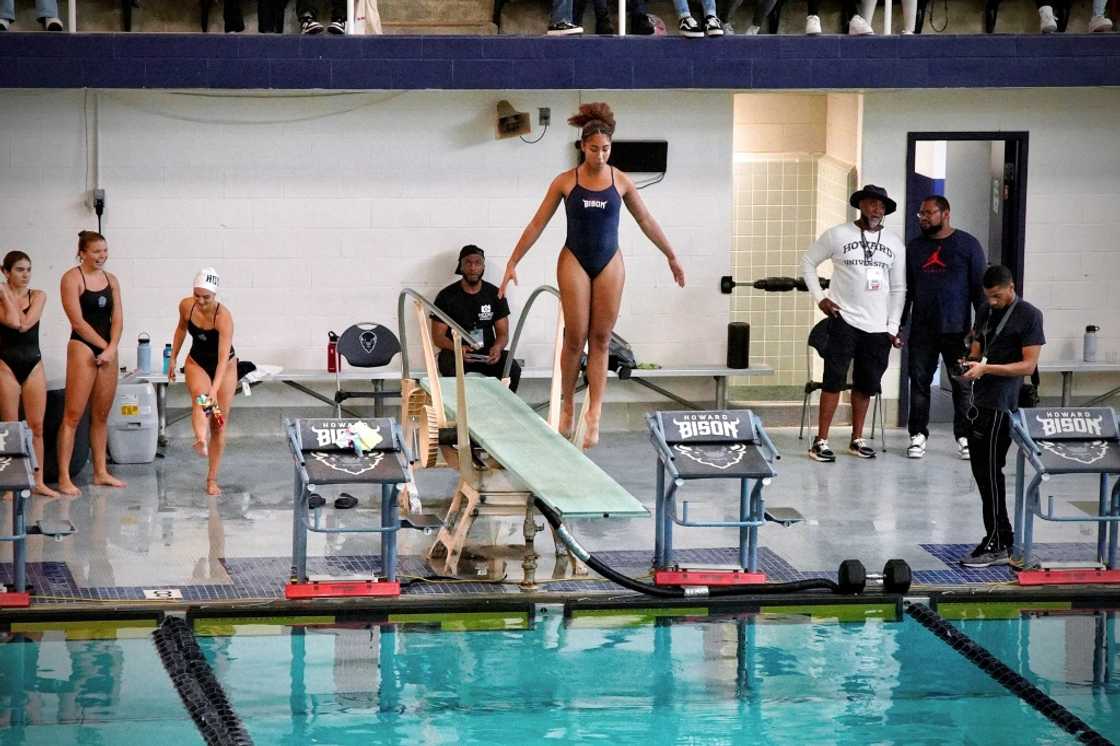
207,279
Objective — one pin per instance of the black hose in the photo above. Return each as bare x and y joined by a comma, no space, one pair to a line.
197,686
649,589
995,668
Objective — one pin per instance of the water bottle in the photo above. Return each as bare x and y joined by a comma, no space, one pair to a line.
1090,345
144,353
332,352
166,358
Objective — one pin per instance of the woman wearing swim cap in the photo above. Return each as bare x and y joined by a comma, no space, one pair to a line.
91,298
211,367
590,271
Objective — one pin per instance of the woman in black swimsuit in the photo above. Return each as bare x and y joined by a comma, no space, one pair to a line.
211,366
91,298
590,271
21,367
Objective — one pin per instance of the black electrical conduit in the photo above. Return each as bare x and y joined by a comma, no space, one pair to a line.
1019,686
199,689
626,581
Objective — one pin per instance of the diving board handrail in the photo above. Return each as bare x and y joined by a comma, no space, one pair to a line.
402,331
521,323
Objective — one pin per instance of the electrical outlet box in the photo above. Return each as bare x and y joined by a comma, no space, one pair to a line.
544,116
98,201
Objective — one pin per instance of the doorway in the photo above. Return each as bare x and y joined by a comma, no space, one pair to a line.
984,177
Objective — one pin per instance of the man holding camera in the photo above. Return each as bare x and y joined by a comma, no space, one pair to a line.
1008,339
474,304
943,270
864,307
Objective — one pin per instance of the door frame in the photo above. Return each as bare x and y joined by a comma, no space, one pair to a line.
1013,245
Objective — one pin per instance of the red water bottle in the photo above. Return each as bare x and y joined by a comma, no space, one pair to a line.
332,352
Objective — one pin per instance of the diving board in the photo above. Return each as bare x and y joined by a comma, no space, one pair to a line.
551,467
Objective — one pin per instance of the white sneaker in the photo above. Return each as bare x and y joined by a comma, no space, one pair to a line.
812,25
962,449
1047,23
5,24
753,30
1099,23
917,447
859,27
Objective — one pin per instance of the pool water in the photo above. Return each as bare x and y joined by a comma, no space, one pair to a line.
600,677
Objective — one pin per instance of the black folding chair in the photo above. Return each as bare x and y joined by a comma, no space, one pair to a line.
365,345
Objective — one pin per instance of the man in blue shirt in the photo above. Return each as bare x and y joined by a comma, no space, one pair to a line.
944,268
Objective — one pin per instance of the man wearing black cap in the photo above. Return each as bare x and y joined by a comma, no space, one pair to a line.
474,304
864,307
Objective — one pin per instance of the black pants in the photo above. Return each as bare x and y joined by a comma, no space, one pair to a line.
924,351
311,8
447,367
578,6
989,439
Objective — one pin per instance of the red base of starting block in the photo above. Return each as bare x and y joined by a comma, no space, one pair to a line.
1088,576
9,600
341,589
707,577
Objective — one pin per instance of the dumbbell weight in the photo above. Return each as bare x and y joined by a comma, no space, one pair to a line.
853,577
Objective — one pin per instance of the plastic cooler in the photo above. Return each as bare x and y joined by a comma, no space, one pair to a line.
134,424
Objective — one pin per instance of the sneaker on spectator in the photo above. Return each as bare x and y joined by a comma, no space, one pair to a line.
336,27
690,28
986,554
752,30
821,452
51,24
1099,23
641,25
917,447
309,26
962,449
1047,23
812,25
859,27
564,28
712,26
859,447
5,24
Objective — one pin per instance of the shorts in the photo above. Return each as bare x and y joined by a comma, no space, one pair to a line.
869,352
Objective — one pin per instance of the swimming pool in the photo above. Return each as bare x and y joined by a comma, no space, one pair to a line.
656,676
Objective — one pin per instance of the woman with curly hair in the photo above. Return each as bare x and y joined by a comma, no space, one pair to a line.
590,272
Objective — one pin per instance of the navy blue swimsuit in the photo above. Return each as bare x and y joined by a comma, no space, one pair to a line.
593,225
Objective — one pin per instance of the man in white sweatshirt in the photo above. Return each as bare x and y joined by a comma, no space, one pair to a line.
864,306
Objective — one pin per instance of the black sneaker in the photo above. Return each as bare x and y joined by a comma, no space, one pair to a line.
690,28
821,452
5,24
859,447
51,24
564,28
712,26
309,26
987,558
641,25
336,27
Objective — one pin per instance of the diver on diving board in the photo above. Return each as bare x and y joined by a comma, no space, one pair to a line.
590,272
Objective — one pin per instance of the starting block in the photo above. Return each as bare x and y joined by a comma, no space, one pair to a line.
17,475
348,452
723,444
1058,441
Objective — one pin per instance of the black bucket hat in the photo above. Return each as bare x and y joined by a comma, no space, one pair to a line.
875,192
467,250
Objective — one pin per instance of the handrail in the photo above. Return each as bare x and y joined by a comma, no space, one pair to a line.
402,334
521,324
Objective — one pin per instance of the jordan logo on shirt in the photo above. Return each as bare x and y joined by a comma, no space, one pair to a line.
600,203
935,261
